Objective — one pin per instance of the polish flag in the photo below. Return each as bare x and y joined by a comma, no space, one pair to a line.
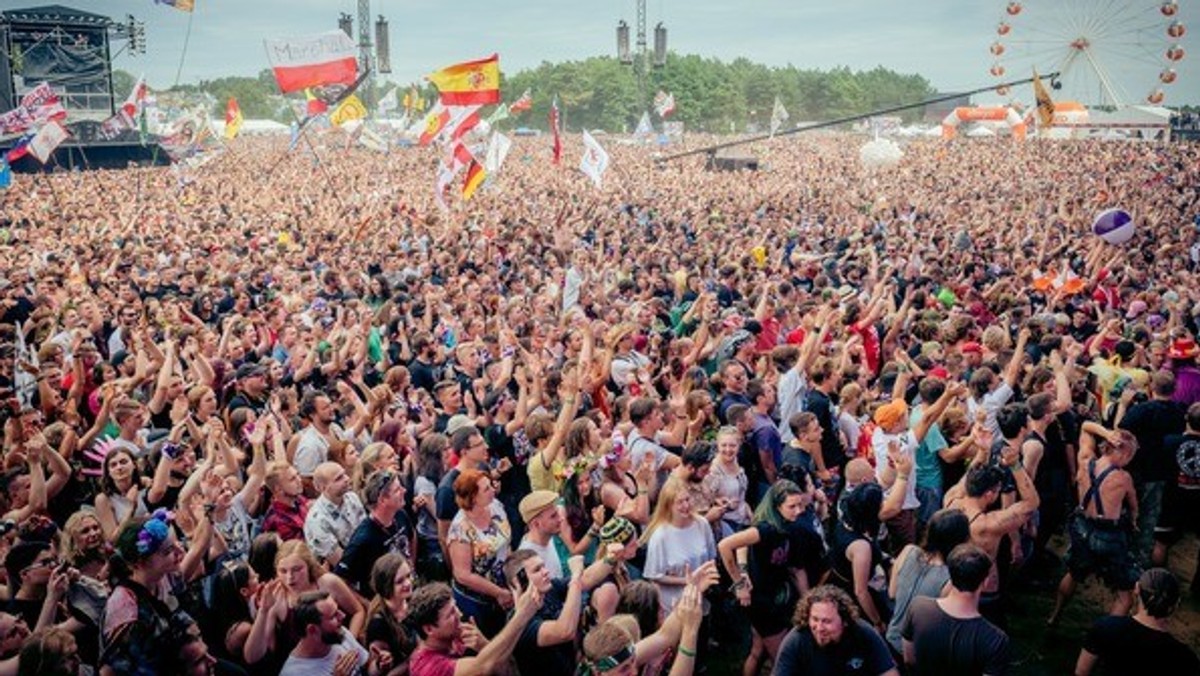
312,60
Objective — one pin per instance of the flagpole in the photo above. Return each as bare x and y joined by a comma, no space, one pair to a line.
183,55
851,118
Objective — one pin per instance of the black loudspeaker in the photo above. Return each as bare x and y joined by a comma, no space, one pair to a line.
623,54
383,52
660,46
346,25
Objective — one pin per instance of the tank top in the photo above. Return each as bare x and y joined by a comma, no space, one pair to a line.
916,577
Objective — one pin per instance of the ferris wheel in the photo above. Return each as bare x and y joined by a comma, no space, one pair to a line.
1107,52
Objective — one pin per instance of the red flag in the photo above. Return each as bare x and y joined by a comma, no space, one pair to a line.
312,60
522,104
554,125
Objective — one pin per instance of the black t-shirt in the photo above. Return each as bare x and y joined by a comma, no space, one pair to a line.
1184,452
553,660
1152,422
775,554
860,651
422,374
819,404
400,639
946,645
370,541
444,505
1126,646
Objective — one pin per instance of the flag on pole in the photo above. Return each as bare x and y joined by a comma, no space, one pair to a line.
643,125
460,120
426,128
312,60
389,102
136,99
182,5
474,178
664,103
469,83
554,129
779,115
313,104
500,113
594,161
233,119
522,104
459,158
351,108
1045,106
47,139
497,150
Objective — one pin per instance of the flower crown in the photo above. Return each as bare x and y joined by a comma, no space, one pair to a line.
154,532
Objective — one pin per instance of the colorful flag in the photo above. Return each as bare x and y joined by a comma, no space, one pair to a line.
312,60
459,158
313,104
233,119
474,178
664,103
136,99
522,104
595,159
16,120
554,129
5,174
1045,106
779,115
389,102
469,83
500,113
349,109
428,127
497,150
19,149
47,139
182,5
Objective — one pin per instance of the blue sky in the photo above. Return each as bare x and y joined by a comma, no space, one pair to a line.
944,40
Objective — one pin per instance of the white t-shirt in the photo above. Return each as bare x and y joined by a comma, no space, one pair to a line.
672,550
793,388
549,554
311,666
908,446
313,449
991,404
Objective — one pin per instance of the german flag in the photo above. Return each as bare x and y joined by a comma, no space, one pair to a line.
469,83
474,178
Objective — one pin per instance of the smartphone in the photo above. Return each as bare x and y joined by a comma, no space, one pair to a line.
522,579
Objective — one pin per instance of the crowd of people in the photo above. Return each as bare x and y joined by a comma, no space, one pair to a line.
275,415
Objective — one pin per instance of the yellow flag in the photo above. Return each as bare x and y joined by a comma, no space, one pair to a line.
1045,107
349,109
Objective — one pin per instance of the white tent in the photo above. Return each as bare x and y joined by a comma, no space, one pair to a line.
979,131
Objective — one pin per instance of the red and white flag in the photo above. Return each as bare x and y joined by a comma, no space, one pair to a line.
525,102
43,104
312,60
50,137
664,103
136,99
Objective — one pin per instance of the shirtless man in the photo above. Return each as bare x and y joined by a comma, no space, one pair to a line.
982,485
1101,533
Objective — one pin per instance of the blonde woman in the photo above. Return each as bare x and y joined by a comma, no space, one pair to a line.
677,540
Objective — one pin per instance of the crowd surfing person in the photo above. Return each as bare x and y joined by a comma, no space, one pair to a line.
253,427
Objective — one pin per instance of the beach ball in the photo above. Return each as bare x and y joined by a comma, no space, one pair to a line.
1114,226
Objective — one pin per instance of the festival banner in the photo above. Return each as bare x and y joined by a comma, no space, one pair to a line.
312,60
469,83
233,119
16,120
554,129
47,139
43,104
594,161
181,5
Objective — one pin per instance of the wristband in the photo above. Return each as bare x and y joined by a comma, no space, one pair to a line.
610,561
901,477
687,653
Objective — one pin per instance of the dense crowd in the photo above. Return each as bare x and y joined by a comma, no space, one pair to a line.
275,415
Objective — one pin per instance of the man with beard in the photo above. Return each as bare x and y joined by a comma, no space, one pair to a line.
327,647
830,639
386,530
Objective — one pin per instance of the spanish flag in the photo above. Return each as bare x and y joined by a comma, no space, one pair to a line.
233,119
475,176
1045,107
470,83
